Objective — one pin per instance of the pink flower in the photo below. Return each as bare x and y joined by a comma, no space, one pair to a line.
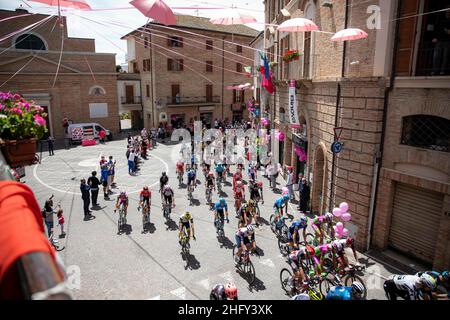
39,120
16,110
38,108
16,96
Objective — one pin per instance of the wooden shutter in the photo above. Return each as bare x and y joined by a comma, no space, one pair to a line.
169,64
238,67
180,42
234,96
148,90
416,215
209,44
406,37
181,62
169,41
209,92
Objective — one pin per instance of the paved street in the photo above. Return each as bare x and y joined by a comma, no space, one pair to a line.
136,265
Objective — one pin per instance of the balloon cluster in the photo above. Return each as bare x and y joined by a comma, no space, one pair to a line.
265,121
280,136
341,213
301,154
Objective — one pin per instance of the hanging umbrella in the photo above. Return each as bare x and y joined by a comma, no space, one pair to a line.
155,9
231,17
298,25
76,4
349,34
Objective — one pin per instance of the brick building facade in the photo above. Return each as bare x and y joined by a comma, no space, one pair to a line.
86,80
384,106
187,59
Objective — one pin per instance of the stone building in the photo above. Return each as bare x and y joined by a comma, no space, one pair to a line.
390,94
86,87
182,72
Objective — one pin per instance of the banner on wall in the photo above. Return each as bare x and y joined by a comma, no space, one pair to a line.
293,112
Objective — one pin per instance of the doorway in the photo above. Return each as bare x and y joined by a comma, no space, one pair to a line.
129,94
206,119
319,181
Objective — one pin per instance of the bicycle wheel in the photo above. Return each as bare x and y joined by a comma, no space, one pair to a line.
273,225
284,250
258,212
350,278
249,269
311,239
325,286
328,265
284,231
285,275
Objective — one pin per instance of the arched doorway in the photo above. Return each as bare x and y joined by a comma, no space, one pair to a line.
319,180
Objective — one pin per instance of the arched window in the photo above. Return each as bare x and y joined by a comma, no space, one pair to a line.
29,41
425,131
97,91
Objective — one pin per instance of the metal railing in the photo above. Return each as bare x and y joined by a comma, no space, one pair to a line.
432,60
131,100
192,99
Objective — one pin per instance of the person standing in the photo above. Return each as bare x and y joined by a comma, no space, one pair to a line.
111,171
290,183
102,135
84,188
50,141
47,214
94,183
104,180
65,124
131,162
304,195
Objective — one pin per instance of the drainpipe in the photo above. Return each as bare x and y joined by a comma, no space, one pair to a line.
379,160
336,116
151,79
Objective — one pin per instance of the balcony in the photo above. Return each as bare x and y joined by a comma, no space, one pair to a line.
192,100
131,100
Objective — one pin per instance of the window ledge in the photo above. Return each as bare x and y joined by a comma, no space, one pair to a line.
437,82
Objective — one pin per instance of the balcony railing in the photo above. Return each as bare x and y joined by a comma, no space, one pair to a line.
184,100
131,100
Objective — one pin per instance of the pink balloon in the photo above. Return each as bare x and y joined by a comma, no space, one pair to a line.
346,217
339,226
344,207
337,212
345,232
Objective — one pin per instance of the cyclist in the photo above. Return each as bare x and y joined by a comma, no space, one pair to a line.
252,172
210,183
255,190
122,200
318,226
279,204
192,176
180,169
355,292
219,171
185,222
442,284
339,257
145,196
295,261
237,176
221,292
239,194
162,182
245,215
293,231
409,287
168,195
244,238
221,207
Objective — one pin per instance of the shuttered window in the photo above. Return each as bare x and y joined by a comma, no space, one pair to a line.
209,66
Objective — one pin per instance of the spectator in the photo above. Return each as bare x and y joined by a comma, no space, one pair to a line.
111,172
129,138
102,135
47,214
60,215
85,196
65,124
131,162
104,180
50,141
304,195
290,182
94,183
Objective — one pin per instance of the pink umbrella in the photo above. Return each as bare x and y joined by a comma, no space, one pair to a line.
298,25
231,17
76,4
157,10
349,34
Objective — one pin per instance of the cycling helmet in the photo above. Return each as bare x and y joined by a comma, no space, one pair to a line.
428,281
329,216
250,228
123,193
210,174
310,250
358,288
260,184
222,201
239,183
350,241
231,291
187,215
166,187
445,275
164,173
251,202
145,188
286,197
303,221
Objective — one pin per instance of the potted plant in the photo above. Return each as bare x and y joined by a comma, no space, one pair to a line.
22,123
291,55
273,64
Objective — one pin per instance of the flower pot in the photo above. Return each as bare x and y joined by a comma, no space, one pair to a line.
296,58
19,152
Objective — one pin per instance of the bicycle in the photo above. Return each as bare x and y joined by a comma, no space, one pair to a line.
290,285
145,215
190,194
185,245
122,219
245,265
350,276
219,223
219,185
166,209
180,178
208,196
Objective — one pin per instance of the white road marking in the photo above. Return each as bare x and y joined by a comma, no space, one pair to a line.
205,284
180,293
227,276
268,263
155,298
